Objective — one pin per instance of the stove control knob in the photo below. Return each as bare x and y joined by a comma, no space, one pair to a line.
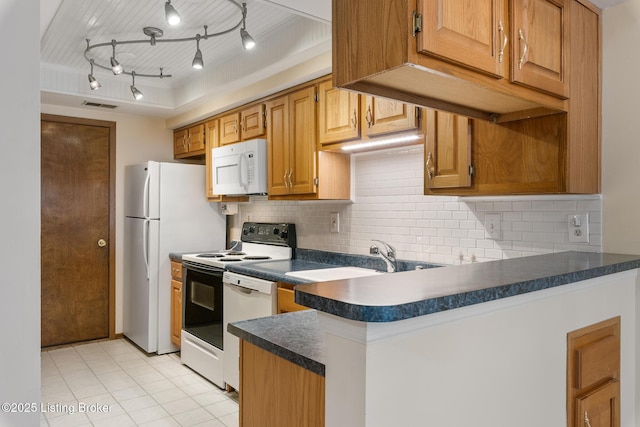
245,231
276,231
284,234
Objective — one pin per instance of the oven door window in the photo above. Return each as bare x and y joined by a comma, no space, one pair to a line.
203,306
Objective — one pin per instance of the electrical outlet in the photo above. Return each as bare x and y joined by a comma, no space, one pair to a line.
493,226
578,228
335,222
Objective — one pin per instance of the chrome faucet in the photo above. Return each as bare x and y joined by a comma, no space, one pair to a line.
388,254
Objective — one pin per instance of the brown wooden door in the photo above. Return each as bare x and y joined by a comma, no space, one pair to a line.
539,34
230,129
76,233
253,124
468,32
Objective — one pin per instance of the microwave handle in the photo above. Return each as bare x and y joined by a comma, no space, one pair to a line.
240,170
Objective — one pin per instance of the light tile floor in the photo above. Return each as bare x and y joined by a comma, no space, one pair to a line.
113,383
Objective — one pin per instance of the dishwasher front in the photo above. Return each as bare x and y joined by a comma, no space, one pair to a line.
244,298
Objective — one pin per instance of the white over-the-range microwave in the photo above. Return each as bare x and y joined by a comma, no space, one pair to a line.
240,169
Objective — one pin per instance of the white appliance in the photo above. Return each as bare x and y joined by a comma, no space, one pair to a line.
239,169
209,304
165,211
244,298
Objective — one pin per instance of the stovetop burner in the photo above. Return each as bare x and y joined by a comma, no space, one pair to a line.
210,256
229,259
256,257
232,253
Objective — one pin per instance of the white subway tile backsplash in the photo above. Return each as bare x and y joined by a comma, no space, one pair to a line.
389,205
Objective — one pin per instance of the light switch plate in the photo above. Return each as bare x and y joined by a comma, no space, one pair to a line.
492,223
578,228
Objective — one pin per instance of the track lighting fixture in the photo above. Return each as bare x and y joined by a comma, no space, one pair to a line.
136,93
198,63
171,14
154,34
93,83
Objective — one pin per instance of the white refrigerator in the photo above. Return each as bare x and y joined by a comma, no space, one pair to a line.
165,211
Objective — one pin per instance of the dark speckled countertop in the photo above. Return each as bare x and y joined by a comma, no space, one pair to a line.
392,297
293,336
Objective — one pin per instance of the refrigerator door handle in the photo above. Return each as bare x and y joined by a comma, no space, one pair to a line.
145,196
145,245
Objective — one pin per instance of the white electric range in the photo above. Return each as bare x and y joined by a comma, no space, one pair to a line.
213,297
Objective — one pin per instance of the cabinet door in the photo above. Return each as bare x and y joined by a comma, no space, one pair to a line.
253,124
448,151
339,114
302,122
383,116
230,129
195,140
539,34
176,311
278,146
468,32
180,142
600,408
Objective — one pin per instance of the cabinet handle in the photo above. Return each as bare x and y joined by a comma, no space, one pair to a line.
235,128
290,182
284,178
430,169
524,50
184,141
354,120
369,117
587,423
505,39
189,143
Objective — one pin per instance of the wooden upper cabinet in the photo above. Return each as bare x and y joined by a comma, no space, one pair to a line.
180,142
212,132
278,152
230,129
539,43
339,114
253,123
448,151
189,142
384,116
302,123
471,33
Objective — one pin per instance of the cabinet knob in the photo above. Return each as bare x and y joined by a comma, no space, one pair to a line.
102,243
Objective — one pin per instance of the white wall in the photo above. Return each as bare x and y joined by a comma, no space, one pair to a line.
137,139
20,224
390,205
620,141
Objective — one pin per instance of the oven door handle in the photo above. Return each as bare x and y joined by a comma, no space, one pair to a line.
211,271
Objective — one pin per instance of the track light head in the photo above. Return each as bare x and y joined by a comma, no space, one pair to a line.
247,41
134,90
171,14
93,83
198,62
115,66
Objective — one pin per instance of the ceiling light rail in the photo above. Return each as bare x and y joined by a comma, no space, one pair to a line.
154,33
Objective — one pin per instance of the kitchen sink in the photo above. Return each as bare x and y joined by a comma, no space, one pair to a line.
338,273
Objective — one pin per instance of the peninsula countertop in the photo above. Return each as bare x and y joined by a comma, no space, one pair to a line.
398,296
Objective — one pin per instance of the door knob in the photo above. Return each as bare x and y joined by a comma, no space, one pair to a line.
102,243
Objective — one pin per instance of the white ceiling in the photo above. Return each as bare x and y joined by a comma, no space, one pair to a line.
283,35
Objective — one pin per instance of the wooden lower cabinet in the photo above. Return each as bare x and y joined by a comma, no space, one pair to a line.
593,375
176,303
276,392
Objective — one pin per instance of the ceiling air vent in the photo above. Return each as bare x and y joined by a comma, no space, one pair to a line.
95,104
